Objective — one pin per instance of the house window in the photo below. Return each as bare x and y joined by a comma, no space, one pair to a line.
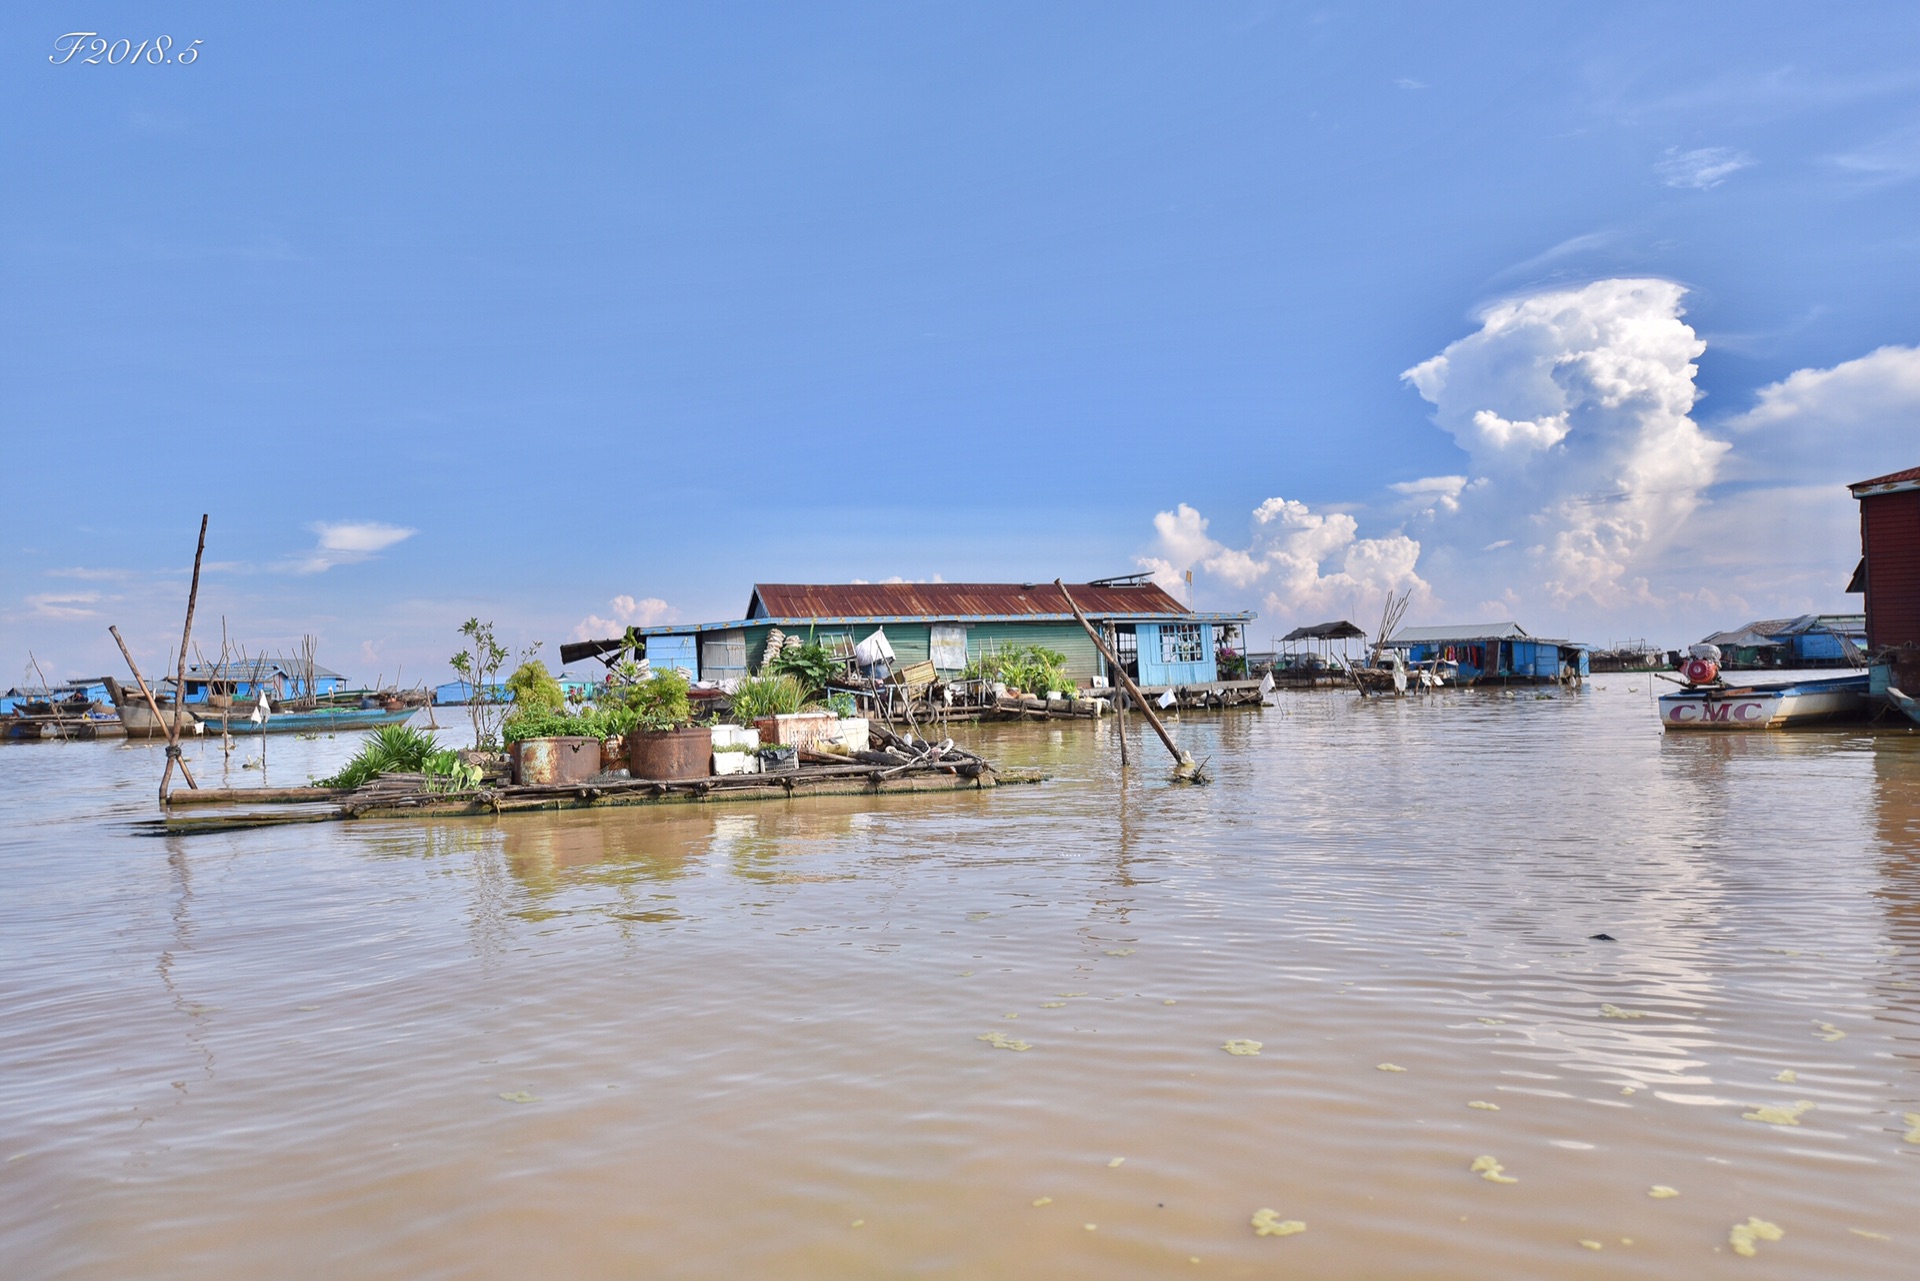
1182,643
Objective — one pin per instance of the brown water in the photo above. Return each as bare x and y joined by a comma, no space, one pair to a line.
747,1037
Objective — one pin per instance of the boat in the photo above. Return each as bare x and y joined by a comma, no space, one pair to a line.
317,720
1716,705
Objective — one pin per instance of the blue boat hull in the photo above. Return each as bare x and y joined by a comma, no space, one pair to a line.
325,720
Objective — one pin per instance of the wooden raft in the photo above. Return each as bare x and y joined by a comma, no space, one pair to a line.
273,807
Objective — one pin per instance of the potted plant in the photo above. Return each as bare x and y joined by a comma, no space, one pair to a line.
663,743
549,746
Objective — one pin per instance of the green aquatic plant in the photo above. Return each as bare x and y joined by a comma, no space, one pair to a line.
391,749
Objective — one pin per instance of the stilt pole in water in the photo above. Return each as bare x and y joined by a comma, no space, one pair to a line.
180,681
1183,766
147,694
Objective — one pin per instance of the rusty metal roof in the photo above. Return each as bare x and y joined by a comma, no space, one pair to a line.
952,600
1892,482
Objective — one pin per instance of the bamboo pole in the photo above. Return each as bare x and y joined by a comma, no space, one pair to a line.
146,693
1120,714
180,680
1183,766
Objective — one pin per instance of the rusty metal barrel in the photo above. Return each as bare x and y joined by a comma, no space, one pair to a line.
670,755
538,761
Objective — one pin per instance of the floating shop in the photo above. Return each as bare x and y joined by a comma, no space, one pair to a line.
1492,654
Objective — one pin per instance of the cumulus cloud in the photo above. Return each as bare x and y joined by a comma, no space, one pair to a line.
1846,423
1310,563
627,612
1574,408
347,543
1701,168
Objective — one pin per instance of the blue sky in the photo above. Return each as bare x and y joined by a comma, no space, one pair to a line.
560,313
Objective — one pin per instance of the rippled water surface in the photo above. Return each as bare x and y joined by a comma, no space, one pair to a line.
745,1040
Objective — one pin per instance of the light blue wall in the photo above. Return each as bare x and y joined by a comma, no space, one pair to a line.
1153,671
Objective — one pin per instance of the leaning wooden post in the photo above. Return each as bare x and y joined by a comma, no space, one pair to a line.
180,681
1120,715
1183,766
159,721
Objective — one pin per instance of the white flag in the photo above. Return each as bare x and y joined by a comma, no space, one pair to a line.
1266,683
1167,699
261,710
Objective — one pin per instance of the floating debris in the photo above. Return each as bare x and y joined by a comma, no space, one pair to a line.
858,1223
1789,1115
1001,1041
1388,1067
1602,937
1043,1200
978,916
966,974
1090,1226
1587,1244
519,1096
1491,1022
1009,1016
1169,1001
1484,1106
1628,1089
1491,1170
1788,1077
1871,1236
1615,1012
1070,995
1743,1235
1053,1005
1268,1223
1913,1127
1828,1032
1116,1163
1661,1192
1242,1047
1119,951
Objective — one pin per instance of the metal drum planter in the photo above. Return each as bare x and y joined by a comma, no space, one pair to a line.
538,761
670,755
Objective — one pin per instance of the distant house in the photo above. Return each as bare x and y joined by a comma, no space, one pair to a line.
460,693
950,625
1889,571
280,678
1811,640
90,689
1494,652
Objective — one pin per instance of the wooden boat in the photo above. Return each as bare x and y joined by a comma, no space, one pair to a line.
318,720
1720,706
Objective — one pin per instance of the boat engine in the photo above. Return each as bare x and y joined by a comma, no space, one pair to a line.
1702,666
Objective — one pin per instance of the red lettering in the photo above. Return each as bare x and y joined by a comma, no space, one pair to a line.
1717,714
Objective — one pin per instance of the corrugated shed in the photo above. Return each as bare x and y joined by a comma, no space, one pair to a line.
951,600
1890,534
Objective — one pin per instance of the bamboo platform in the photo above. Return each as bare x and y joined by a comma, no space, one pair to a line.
234,809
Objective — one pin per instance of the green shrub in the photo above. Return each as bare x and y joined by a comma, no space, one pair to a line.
533,686
657,703
812,664
391,749
758,696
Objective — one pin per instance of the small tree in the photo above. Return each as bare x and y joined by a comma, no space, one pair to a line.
479,666
534,688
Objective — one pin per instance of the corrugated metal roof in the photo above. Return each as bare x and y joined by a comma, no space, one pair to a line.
1342,630
952,600
1461,632
1890,483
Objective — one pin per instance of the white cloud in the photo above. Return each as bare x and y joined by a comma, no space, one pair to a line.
1573,407
627,612
1701,168
346,543
68,606
1431,494
1842,424
1311,564
1405,82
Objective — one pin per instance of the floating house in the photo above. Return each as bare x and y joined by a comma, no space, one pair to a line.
1161,641
459,694
1811,640
1889,570
1493,653
88,690
280,678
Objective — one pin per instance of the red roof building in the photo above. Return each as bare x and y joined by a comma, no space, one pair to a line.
1889,571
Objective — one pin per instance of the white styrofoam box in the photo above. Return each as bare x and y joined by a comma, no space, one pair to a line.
736,763
852,733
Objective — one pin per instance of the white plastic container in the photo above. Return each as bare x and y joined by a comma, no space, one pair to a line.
852,733
736,762
736,736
